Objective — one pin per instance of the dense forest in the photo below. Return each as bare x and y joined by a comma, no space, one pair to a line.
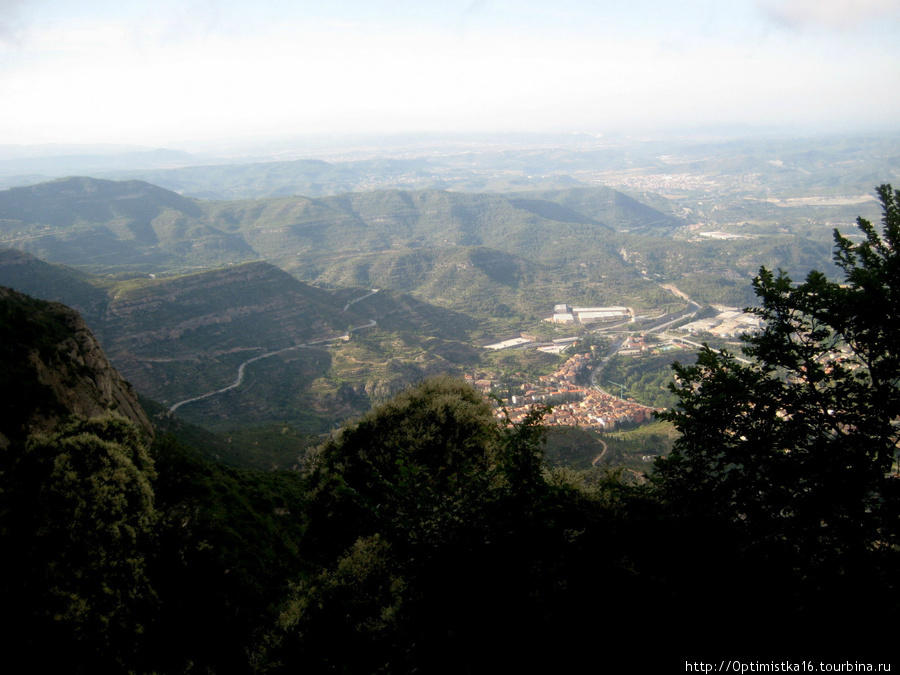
427,537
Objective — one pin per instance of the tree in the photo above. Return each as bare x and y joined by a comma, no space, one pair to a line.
791,453
440,541
415,465
77,518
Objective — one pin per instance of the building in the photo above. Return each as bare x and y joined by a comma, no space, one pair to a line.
566,314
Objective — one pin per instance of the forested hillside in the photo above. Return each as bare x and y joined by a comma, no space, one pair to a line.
581,238
46,350
154,226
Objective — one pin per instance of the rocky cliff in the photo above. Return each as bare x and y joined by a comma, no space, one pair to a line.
51,366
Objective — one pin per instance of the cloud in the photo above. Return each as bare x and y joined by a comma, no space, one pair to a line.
181,23
474,6
10,19
210,71
840,15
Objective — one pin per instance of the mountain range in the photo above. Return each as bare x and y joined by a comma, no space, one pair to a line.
595,243
110,226
185,295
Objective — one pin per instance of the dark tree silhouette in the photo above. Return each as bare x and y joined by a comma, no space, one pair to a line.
791,455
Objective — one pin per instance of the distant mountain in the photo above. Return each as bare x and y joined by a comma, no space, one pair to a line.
134,226
588,245
107,225
390,219
56,162
309,177
318,178
474,280
69,201
602,205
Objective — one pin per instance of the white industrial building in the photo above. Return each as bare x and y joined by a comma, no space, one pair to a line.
587,315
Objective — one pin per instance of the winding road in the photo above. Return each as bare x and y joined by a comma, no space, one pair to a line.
240,372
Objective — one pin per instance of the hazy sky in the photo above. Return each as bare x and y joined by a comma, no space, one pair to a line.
161,72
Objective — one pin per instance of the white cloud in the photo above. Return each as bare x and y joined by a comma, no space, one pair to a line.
838,15
135,78
11,20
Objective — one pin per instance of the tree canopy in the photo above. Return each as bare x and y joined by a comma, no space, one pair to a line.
793,451
442,544
77,520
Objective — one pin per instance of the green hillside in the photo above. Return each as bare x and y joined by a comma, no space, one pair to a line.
109,226
103,225
59,283
177,338
604,205
489,255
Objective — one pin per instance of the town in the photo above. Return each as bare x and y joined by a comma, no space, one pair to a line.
572,389
573,404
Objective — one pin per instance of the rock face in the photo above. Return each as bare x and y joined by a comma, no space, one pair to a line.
51,366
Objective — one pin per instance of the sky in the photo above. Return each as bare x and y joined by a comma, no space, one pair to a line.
161,73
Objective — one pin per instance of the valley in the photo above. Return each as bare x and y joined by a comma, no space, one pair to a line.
238,313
